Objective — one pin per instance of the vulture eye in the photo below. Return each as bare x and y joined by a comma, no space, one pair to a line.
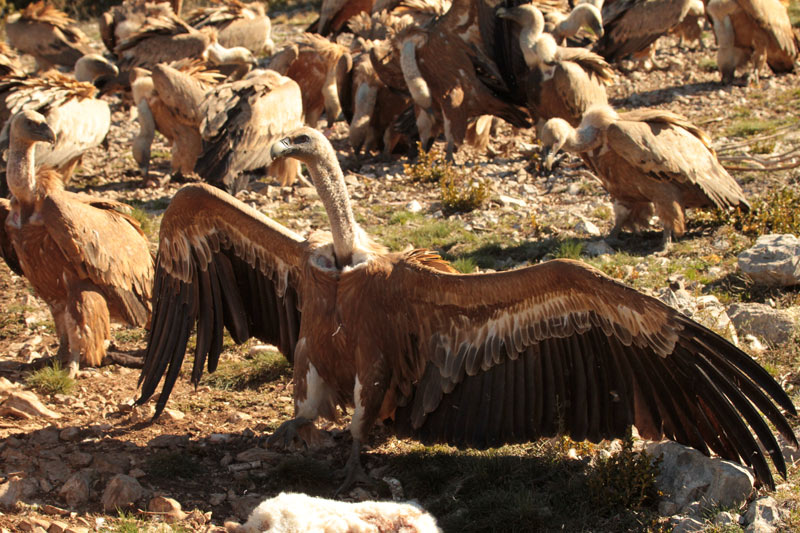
301,139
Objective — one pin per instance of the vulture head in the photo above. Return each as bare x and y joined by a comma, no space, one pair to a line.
554,135
28,127
306,144
528,16
94,69
585,16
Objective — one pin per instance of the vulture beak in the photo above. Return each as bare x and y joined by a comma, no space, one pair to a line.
46,134
280,148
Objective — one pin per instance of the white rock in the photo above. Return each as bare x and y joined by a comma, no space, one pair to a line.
726,518
588,227
688,476
598,248
763,516
413,206
688,525
171,415
121,492
706,309
508,201
169,508
774,260
776,326
28,403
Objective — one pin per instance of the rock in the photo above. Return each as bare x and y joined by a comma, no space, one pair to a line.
70,434
726,518
7,386
76,489
598,248
219,438
588,227
168,441
775,326
112,463
508,201
15,490
256,454
238,417
28,403
243,506
706,309
171,415
34,524
121,492
763,516
688,476
413,206
216,499
57,527
79,459
688,525
167,507
774,260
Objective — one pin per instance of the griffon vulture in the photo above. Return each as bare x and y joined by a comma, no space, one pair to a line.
122,21
632,26
79,119
169,100
9,61
240,118
335,14
450,75
563,26
47,34
647,159
89,261
320,67
239,24
752,30
474,360
563,82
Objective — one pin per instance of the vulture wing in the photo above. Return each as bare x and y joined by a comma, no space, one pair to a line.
6,248
631,26
105,246
771,16
560,348
182,92
246,115
220,264
667,150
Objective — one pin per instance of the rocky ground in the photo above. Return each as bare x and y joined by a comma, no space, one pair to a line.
75,460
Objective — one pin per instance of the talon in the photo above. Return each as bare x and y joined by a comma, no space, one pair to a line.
287,433
354,472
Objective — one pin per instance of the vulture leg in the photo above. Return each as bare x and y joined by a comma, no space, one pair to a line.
88,326
289,432
59,319
144,138
353,470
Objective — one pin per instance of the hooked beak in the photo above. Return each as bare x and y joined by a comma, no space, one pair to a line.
280,148
48,135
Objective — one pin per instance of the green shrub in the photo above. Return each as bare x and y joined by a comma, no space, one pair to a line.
624,480
51,380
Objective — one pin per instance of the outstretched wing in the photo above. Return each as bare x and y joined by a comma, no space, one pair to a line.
630,26
560,348
220,264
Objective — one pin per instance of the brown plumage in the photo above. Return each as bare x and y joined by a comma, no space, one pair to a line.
320,67
647,157
9,61
80,120
47,34
562,82
449,73
752,30
169,101
632,26
88,260
124,20
466,359
335,14
239,119
238,23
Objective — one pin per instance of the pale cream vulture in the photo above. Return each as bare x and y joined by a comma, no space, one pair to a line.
752,30
238,23
320,67
647,159
473,360
632,26
88,261
563,26
562,82
80,120
47,34
169,101
242,117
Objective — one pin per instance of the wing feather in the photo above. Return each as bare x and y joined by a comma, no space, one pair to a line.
221,264
7,250
570,351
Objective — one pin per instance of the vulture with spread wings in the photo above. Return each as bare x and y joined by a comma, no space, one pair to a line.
468,359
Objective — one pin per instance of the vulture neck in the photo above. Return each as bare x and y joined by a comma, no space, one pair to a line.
582,139
528,37
329,180
20,172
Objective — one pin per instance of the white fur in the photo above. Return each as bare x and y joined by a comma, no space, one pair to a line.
299,513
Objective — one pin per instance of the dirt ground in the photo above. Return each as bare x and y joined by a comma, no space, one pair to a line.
209,451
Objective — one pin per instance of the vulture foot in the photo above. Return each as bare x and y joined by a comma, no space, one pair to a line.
124,359
354,471
289,433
